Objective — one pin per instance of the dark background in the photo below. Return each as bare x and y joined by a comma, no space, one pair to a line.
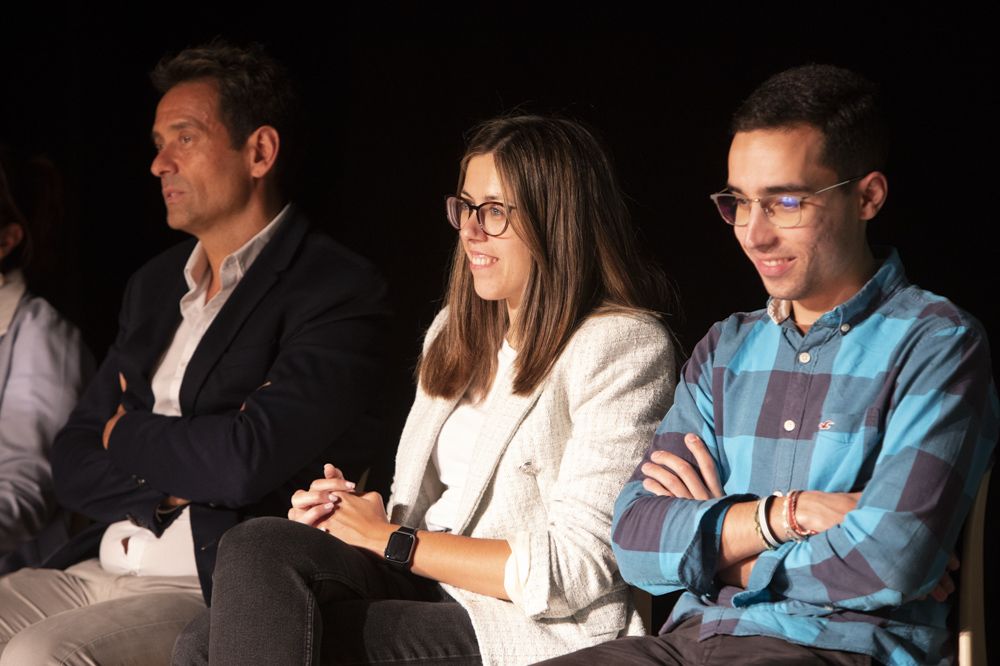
388,94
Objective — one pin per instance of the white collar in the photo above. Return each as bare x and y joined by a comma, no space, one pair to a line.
235,265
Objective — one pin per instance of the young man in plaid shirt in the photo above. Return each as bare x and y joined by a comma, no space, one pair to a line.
810,481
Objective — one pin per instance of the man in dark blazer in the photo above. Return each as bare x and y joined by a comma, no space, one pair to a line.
246,357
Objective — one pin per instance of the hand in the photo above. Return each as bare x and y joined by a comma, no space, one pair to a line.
945,585
243,407
113,421
172,502
819,511
672,476
309,507
360,520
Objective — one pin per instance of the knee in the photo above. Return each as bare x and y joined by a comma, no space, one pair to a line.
255,542
34,645
264,546
191,647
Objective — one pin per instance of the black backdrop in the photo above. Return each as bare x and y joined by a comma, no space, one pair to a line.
388,94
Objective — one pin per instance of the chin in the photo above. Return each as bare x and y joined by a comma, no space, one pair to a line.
176,222
781,293
484,292
487,296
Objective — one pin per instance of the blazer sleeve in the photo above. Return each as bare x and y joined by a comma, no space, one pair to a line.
619,380
86,480
48,366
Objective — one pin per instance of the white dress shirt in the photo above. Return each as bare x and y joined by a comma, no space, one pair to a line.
127,548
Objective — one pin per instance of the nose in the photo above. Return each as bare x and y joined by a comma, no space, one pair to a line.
163,163
759,232
470,228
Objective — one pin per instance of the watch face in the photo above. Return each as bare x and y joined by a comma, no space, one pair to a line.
400,547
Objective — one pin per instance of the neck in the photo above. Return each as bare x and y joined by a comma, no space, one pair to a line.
222,240
806,312
511,335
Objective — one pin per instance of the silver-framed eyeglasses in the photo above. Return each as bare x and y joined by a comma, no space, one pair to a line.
782,210
492,216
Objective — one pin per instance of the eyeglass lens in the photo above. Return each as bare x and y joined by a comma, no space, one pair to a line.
781,209
492,215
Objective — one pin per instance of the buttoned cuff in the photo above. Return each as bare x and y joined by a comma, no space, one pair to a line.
700,561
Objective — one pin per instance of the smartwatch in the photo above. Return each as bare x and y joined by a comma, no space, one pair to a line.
399,550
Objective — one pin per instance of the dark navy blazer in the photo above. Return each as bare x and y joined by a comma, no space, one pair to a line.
309,317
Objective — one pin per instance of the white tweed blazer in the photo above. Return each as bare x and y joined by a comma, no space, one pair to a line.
545,473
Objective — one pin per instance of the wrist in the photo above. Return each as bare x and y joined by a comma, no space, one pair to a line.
797,527
776,518
378,539
400,547
762,522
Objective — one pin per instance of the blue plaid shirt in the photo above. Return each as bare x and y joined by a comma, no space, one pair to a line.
890,393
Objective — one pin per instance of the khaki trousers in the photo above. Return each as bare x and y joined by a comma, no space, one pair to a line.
85,615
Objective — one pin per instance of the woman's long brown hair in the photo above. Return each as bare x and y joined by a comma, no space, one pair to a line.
585,257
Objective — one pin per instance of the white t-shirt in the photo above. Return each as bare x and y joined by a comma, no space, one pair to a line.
456,441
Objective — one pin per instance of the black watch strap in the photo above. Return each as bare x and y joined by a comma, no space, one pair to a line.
399,550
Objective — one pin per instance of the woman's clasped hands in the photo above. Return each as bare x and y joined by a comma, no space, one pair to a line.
332,505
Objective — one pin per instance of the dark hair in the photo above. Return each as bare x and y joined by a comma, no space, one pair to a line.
843,105
254,89
584,250
30,196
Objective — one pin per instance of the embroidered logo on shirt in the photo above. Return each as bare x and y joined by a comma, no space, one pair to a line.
825,425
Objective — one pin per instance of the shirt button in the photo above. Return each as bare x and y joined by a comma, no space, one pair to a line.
789,425
844,328
804,357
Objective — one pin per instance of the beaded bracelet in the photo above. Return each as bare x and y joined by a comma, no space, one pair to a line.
793,502
786,520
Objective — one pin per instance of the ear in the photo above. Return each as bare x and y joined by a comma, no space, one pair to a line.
874,189
262,150
10,237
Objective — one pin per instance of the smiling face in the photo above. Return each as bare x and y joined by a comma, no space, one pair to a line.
825,260
500,265
205,182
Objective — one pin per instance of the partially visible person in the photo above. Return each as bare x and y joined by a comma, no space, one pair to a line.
43,368
245,356
540,384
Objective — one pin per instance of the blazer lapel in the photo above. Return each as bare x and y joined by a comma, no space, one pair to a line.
505,416
141,350
248,293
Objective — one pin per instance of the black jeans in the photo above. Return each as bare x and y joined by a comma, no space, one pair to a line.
286,593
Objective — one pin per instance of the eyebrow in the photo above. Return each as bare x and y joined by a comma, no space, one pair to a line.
497,198
176,127
786,188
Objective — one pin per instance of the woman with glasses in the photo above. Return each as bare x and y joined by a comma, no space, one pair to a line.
540,384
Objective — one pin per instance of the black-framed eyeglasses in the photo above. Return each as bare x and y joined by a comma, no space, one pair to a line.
782,210
492,216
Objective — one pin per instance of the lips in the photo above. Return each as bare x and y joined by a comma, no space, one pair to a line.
478,260
170,194
773,266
